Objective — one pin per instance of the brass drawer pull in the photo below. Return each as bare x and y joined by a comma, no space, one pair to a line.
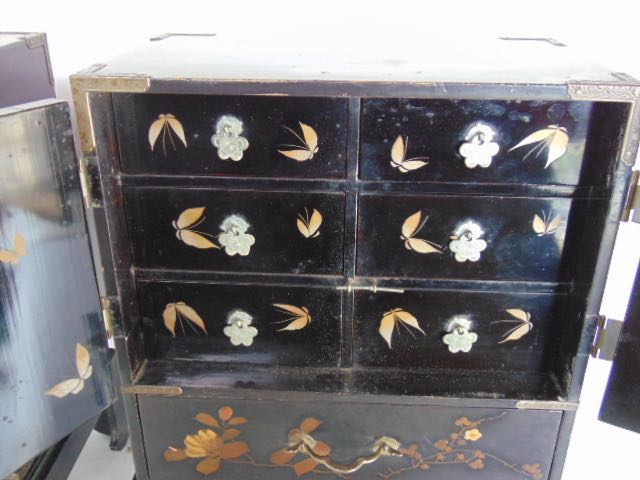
300,442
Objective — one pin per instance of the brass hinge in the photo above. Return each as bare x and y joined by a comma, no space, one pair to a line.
86,185
606,338
109,312
632,205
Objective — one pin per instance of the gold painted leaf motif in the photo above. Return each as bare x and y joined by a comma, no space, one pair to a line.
399,154
14,255
554,139
523,326
185,224
75,385
411,227
180,311
309,226
166,125
299,317
392,319
545,225
309,147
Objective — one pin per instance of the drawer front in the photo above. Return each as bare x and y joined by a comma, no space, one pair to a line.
238,231
248,439
232,135
417,330
485,238
259,324
474,141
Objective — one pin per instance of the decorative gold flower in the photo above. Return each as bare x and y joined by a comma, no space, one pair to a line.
205,443
477,464
473,435
211,446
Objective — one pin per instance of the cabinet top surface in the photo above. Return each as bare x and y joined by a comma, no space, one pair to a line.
288,57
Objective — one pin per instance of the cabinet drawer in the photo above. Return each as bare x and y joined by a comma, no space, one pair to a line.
175,135
417,329
259,324
189,438
238,231
491,130
484,238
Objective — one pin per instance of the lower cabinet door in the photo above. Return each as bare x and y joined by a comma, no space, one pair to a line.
192,438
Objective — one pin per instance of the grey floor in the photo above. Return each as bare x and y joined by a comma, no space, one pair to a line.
98,462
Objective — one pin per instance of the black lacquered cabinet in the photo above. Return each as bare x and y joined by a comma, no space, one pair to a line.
308,273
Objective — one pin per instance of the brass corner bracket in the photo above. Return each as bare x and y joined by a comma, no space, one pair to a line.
615,92
83,83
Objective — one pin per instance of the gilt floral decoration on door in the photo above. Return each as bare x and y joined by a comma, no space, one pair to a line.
216,443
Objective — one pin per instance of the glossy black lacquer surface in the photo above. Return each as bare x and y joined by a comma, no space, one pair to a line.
514,251
437,128
315,344
492,435
436,309
621,405
48,295
272,217
264,120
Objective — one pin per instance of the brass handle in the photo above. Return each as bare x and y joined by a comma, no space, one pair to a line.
300,442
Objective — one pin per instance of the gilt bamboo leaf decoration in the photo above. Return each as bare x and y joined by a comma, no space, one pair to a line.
554,139
391,321
166,125
84,370
299,317
180,312
523,326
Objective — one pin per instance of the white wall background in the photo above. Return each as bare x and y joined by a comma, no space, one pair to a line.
83,33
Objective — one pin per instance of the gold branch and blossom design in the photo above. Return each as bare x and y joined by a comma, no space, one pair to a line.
217,443
460,448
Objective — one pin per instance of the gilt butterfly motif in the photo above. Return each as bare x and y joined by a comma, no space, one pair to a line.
410,228
399,158
545,224
185,226
13,255
75,385
309,225
308,147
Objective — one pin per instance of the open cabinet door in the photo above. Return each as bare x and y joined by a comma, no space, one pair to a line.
621,405
53,359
